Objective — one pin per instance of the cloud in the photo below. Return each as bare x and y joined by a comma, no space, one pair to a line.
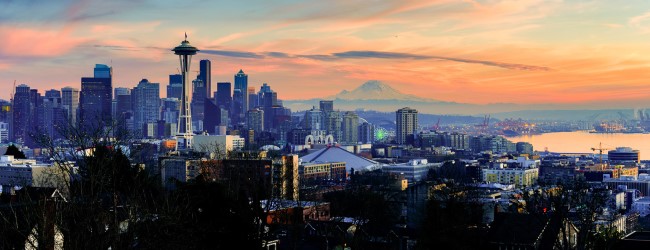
354,54
278,54
379,54
394,55
228,53
641,22
33,42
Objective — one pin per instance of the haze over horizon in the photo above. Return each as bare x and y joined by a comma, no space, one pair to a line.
588,54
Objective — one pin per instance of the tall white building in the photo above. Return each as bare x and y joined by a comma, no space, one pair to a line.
406,120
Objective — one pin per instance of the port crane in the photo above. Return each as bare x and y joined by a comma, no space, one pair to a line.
485,125
437,126
600,151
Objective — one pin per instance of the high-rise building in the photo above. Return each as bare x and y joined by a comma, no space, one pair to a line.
212,116
267,99
184,134
52,115
175,86
70,102
124,110
406,120
327,106
237,107
241,84
169,112
366,132
5,111
332,122
313,119
117,92
146,100
224,98
53,93
4,132
198,100
255,120
21,113
95,99
253,101
121,91
350,128
205,74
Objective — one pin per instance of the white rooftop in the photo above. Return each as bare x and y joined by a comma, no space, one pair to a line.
337,154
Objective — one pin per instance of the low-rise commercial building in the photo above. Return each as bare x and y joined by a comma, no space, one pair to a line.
414,171
520,177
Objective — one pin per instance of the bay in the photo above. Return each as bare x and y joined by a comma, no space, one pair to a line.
583,141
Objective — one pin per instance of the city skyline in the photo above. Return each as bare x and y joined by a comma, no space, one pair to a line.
525,52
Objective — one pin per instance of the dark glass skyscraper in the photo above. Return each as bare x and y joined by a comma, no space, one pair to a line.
224,98
21,113
205,74
95,98
241,84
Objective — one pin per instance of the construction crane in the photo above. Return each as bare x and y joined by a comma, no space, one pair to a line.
600,151
13,92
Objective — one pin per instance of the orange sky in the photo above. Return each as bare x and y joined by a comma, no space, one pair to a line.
527,52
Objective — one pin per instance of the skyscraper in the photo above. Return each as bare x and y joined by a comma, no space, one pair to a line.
350,128
313,119
175,86
406,120
241,84
21,113
95,98
366,133
212,116
237,107
253,101
224,98
117,92
52,115
255,120
70,102
332,125
327,106
146,100
184,135
267,98
205,74
198,100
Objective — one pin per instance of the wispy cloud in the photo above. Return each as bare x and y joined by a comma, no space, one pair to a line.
367,54
641,22
229,53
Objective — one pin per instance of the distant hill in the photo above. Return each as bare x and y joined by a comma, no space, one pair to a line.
381,97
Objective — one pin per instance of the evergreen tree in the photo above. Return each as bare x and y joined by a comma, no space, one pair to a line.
15,151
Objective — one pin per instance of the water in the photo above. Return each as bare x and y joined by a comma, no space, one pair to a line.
582,142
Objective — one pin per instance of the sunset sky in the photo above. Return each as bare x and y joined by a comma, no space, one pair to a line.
526,51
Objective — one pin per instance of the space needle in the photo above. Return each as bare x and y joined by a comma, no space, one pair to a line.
184,133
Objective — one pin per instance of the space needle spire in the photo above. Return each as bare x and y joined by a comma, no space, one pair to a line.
184,133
